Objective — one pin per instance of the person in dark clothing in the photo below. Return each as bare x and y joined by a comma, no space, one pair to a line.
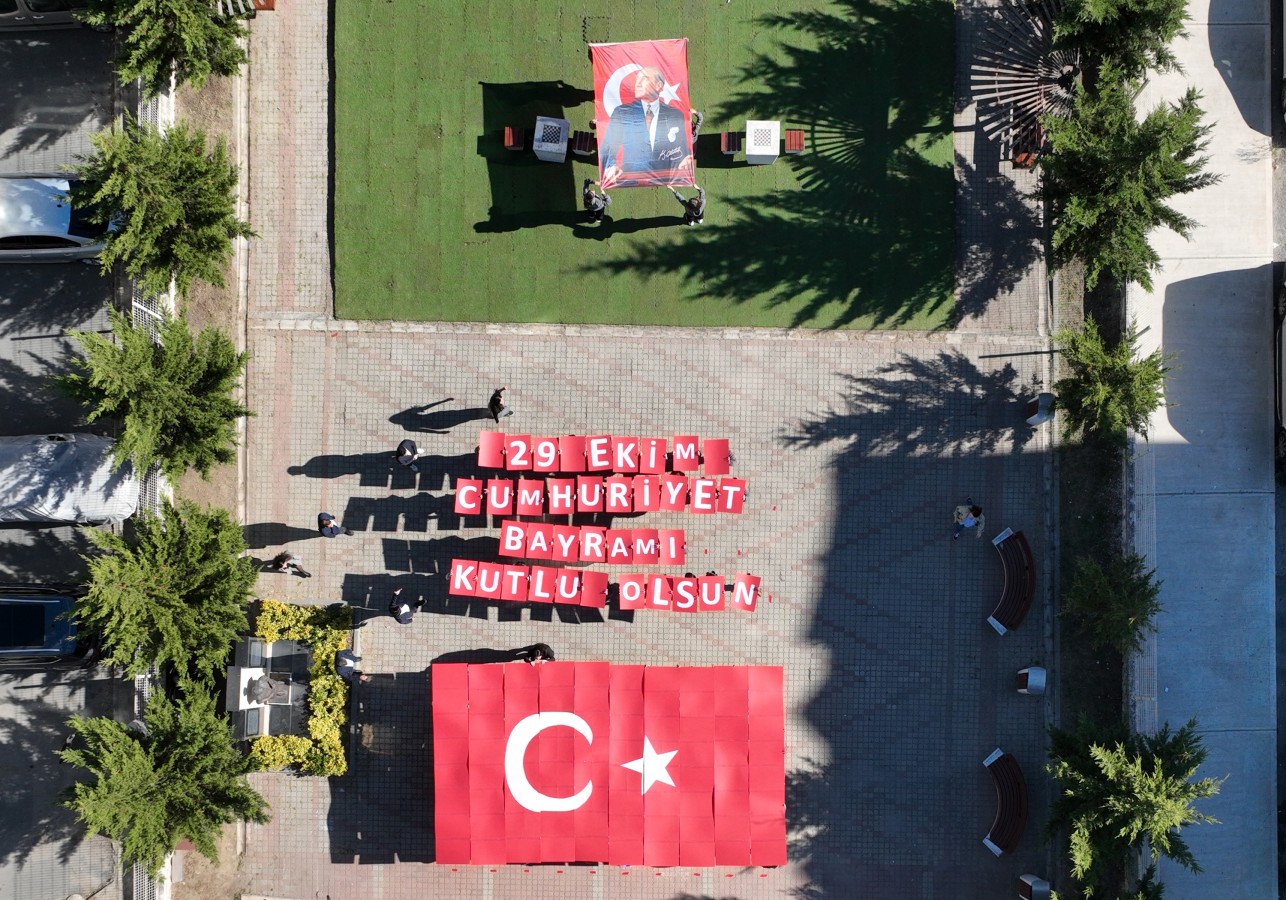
497,407
287,562
403,610
595,204
536,653
328,527
407,453
694,208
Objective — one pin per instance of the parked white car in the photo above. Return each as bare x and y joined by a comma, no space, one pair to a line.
38,223
64,479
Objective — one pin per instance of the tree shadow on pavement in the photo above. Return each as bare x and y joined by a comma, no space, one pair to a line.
869,233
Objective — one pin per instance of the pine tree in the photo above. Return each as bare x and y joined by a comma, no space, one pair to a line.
174,398
1108,391
1115,605
180,778
171,204
175,595
1115,793
160,38
1107,177
1131,36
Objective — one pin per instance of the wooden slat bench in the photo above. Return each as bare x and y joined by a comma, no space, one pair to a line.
730,143
1011,802
794,140
583,143
515,138
1020,580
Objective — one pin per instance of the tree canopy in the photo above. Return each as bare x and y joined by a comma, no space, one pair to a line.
174,398
170,203
1107,177
175,594
1131,36
1115,793
179,777
160,38
1107,391
1115,604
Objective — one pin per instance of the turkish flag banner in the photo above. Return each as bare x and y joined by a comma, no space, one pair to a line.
642,111
594,762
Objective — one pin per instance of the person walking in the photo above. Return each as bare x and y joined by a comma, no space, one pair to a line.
403,610
286,562
596,204
497,407
346,666
328,527
407,453
968,515
694,208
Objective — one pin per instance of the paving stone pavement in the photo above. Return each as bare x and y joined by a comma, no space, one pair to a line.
856,448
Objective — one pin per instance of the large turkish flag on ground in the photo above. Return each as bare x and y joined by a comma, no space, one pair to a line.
592,762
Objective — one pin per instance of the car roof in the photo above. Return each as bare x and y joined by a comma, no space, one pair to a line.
34,205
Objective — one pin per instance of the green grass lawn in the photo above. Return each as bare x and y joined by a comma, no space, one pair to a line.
434,220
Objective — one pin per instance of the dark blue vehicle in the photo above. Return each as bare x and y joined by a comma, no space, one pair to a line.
35,624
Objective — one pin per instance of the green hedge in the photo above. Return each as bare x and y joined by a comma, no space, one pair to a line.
325,632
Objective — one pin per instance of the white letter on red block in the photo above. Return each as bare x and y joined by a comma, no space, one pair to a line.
518,452
685,594
647,493
618,494
566,543
567,588
489,575
515,583
625,452
544,454
500,496
674,492
591,544
632,592
468,496
562,496
705,493
589,493
652,455
539,540
598,452
646,548
541,588
531,497
619,549
513,538
463,572
732,494
685,453
673,547
659,592
712,589
745,592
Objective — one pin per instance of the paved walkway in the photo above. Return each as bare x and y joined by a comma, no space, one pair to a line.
856,448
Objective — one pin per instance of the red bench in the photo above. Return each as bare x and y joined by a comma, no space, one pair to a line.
515,138
583,143
794,140
1020,581
730,143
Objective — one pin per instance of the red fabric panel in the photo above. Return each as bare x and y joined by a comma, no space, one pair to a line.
711,593
518,452
531,497
464,578
659,592
685,595
732,495
673,547
491,450
562,496
632,591
593,588
571,453
593,547
598,453
540,540
540,589
513,539
652,452
705,495
745,592
589,493
468,496
566,544
625,813
618,489
544,454
647,493
686,453
674,492
500,497
717,456
515,583
647,548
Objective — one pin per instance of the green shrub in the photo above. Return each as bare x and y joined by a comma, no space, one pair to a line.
1115,606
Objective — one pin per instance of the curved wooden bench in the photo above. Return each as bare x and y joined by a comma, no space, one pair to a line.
1011,802
1020,580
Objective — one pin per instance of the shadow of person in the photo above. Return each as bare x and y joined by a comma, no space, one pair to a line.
609,226
272,534
418,418
481,655
334,465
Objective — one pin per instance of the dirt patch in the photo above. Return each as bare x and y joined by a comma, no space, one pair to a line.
210,110
203,880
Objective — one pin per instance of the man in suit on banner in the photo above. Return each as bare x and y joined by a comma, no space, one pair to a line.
649,136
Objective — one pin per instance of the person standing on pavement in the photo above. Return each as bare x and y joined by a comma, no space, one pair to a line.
328,527
403,610
968,515
407,453
497,407
346,666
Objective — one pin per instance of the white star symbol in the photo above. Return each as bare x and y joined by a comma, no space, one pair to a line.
670,93
651,765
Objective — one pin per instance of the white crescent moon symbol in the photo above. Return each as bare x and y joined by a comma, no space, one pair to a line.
612,90
516,773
